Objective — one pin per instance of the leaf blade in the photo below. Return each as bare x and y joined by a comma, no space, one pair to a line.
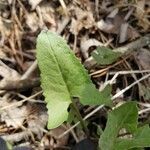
140,139
105,56
63,77
124,116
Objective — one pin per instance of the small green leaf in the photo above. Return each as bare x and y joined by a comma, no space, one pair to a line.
124,116
63,77
141,138
105,56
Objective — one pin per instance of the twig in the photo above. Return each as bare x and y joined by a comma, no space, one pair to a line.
16,137
128,72
135,45
63,6
20,102
131,85
144,111
30,70
19,85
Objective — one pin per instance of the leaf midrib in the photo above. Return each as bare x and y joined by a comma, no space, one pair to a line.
59,67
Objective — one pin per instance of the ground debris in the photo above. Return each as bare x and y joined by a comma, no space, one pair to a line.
121,26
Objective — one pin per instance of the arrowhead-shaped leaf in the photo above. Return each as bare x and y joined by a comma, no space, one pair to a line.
105,56
63,77
124,116
141,138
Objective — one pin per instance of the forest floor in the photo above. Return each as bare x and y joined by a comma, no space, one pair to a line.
85,24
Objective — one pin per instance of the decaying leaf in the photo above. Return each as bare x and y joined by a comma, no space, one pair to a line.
60,142
46,12
5,29
143,59
84,19
115,23
86,44
34,3
2,54
31,21
142,14
8,73
10,115
37,118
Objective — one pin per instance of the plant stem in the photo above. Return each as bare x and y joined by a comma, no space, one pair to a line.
76,111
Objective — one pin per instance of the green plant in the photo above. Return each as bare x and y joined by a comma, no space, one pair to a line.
105,56
124,117
63,78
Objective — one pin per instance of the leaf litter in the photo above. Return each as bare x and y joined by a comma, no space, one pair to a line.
85,25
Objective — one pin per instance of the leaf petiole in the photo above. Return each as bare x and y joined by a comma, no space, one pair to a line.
77,113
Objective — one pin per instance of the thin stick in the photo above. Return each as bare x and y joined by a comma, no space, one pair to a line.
30,70
20,102
128,72
144,111
63,6
128,87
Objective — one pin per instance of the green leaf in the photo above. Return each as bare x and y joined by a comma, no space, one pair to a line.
63,77
124,116
141,138
105,56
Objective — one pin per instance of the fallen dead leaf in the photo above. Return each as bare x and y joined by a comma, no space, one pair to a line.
8,73
143,59
51,140
31,21
34,3
10,115
141,14
115,23
84,19
86,44
55,133
2,54
5,29
47,14
37,118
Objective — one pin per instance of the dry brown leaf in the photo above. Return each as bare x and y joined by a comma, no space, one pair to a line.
5,29
123,32
111,25
86,44
34,3
143,58
84,19
141,14
37,118
2,54
8,73
10,115
47,14
116,24
55,133
143,61
31,21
